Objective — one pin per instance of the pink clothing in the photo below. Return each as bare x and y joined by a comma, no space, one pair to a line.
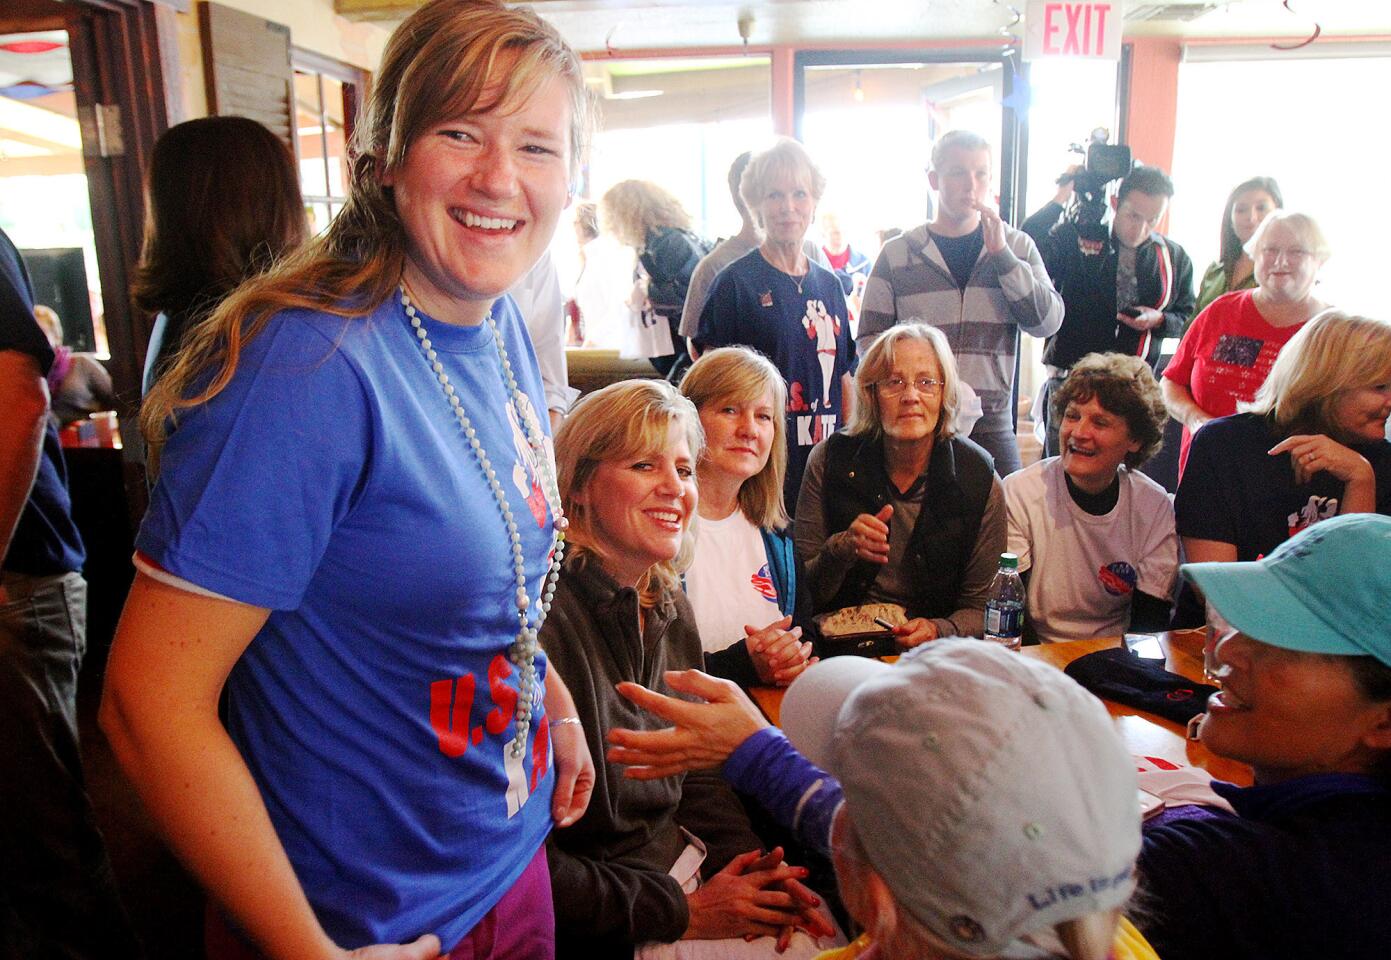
62,364
1225,357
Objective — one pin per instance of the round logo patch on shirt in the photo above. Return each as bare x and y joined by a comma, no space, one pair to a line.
1117,579
762,581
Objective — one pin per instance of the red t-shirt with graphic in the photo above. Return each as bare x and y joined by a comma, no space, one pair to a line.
1226,356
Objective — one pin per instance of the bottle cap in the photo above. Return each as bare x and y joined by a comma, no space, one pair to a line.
1009,561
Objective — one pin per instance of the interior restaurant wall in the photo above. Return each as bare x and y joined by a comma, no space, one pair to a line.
313,26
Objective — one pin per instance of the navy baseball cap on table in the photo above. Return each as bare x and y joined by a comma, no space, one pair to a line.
1325,590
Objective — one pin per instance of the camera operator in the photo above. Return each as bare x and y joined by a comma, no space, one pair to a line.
1125,288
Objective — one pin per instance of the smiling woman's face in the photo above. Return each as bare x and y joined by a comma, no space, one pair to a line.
639,507
1289,714
479,197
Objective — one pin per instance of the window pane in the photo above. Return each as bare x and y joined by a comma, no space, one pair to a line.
1068,99
337,149
901,109
678,122
1309,120
319,215
309,133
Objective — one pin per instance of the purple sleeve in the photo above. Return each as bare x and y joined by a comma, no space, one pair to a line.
798,794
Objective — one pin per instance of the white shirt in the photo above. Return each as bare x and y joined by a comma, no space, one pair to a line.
729,584
537,296
1086,568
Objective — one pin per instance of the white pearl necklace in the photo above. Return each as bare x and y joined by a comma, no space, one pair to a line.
522,651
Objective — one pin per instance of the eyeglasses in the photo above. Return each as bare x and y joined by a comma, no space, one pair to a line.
893,386
1293,255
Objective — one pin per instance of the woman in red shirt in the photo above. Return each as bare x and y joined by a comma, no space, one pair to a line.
1227,353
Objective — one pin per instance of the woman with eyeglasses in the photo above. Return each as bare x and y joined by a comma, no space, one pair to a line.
1095,536
898,509
1227,353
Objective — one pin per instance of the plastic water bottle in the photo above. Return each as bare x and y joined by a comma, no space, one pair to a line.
1004,608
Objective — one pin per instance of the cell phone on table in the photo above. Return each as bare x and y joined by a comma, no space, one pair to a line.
1145,645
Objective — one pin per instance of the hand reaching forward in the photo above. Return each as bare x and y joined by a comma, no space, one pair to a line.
703,735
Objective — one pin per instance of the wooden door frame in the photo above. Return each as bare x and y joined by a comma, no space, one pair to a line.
119,67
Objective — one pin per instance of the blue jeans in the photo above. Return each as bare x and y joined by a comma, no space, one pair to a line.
57,894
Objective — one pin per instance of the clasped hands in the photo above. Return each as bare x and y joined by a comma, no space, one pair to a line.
756,894
778,652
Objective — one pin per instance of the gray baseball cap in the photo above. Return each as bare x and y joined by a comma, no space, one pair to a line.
990,791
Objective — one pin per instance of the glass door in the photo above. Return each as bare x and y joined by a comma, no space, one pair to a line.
870,119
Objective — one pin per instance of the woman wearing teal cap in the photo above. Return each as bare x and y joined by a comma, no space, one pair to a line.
1298,868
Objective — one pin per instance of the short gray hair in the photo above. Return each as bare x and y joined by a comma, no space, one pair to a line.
1305,227
958,139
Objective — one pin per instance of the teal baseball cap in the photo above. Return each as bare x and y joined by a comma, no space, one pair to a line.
1325,590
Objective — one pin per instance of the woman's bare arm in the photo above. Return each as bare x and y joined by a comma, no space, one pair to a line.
172,653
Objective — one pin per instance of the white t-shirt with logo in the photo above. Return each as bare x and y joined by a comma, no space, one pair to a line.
1086,568
729,584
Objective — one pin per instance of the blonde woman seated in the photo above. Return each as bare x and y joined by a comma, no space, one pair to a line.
1312,445
1094,535
672,859
742,579
898,509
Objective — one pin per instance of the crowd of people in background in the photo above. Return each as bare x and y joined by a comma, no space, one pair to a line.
405,609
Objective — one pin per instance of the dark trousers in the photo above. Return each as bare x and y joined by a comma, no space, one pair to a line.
57,894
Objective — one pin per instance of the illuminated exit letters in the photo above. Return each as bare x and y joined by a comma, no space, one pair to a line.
1058,28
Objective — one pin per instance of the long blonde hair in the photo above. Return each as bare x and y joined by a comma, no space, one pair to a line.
447,59
623,420
1332,353
744,376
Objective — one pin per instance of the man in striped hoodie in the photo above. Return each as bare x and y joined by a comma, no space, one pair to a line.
974,277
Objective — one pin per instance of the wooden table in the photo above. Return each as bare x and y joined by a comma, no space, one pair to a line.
1144,733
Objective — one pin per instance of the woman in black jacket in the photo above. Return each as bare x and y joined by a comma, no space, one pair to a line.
898,509
647,218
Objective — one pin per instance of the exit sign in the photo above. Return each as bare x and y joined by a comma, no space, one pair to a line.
1058,28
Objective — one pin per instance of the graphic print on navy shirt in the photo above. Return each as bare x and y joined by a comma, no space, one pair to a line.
805,333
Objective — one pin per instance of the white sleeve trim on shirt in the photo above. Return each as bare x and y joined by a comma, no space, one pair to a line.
149,569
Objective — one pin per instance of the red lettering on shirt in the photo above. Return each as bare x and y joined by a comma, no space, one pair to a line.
540,747
451,725
503,695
